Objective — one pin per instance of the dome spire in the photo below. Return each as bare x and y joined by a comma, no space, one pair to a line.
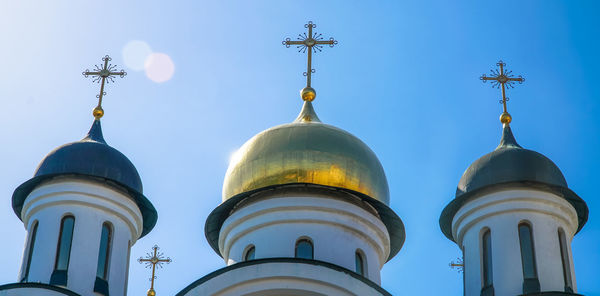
95,133
104,74
501,77
309,43
307,114
508,139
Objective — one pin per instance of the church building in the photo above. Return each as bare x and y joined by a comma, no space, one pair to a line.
305,211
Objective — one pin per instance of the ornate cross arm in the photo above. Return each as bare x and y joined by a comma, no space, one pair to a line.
501,78
101,75
151,261
309,43
459,265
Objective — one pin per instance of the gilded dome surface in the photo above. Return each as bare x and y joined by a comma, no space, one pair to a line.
306,151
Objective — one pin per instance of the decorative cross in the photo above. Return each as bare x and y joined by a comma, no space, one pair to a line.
104,74
309,43
501,78
151,260
459,265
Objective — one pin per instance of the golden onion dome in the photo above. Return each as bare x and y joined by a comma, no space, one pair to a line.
306,151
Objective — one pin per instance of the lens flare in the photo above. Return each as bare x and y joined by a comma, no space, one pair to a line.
159,67
135,54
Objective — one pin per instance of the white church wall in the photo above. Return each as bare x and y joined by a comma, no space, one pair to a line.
283,279
336,228
502,212
32,292
91,204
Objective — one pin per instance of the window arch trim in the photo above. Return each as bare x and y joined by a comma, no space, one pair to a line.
360,262
63,250
106,239
531,282
487,276
300,252
249,253
566,263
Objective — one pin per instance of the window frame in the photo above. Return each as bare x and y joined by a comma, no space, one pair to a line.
566,263
59,276
60,242
487,266
359,256
531,282
107,250
249,248
312,247
30,249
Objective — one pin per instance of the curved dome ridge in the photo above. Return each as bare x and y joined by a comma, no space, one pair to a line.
510,165
510,162
306,151
90,157
95,133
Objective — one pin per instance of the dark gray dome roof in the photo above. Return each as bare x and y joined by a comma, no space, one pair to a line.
509,162
510,165
90,157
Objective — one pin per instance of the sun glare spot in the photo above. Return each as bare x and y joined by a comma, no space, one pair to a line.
234,157
135,54
159,67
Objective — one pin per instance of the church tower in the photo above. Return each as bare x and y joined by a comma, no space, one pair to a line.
305,211
83,210
514,218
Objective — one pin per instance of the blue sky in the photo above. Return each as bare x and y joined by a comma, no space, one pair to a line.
403,78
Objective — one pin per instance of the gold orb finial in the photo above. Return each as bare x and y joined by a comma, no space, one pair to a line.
98,112
151,292
308,94
505,118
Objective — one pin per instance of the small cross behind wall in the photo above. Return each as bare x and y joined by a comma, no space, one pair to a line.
152,260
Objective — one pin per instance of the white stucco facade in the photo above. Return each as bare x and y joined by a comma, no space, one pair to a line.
337,229
92,204
501,212
282,279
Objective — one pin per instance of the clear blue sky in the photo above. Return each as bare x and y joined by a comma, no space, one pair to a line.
403,78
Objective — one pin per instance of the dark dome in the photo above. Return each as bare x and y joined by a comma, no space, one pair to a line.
90,157
510,165
93,157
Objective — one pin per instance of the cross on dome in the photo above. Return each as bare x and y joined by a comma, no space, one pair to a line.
308,43
104,74
501,78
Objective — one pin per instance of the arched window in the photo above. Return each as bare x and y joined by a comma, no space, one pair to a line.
531,282
249,254
304,249
63,251
566,265
30,251
486,254
359,263
104,252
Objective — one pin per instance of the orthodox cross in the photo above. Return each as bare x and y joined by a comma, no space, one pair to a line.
459,265
104,74
309,42
501,77
152,260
